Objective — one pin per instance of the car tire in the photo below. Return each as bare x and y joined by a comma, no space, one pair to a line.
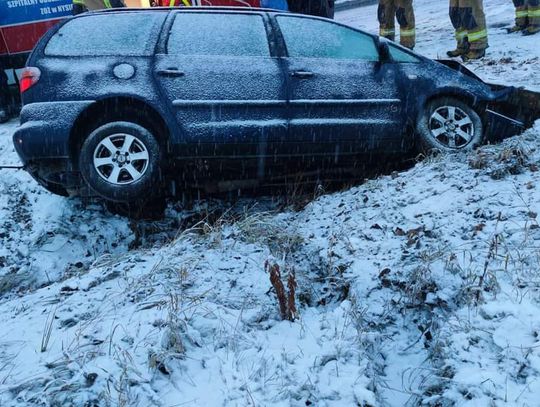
448,125
120,161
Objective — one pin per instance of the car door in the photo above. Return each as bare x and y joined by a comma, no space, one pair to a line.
218,76
342,99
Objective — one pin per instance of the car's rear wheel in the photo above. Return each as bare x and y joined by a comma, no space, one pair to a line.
121,162
448,125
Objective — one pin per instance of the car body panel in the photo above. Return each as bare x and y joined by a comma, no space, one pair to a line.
224,100
223,105
351,104
45,129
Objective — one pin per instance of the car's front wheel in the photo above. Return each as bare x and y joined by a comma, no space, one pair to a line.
448,125
121,162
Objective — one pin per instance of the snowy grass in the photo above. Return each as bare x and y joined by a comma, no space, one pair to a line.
417,288
394,279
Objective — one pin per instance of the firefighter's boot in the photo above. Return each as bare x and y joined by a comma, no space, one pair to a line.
456,52
515,29
473,54
461,49
522,16
531,30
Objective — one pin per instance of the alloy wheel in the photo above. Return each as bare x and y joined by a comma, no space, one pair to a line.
451,127
121,159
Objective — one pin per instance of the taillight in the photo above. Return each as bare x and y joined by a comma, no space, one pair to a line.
30,76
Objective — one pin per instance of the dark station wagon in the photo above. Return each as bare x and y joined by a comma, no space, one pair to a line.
137,103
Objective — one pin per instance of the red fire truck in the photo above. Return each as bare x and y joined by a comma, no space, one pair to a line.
23,22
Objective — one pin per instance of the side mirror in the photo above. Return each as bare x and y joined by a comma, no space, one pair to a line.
384,51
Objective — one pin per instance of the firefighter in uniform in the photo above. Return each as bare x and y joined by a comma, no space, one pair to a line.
170,3
388,11
469,22
81,6
527,17
319,8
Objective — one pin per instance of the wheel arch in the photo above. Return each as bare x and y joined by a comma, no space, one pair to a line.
475,102
120,108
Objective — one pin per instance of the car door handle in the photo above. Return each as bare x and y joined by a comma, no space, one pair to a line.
302,74
170,72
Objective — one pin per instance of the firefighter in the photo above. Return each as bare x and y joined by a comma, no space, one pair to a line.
527,17
170,3
81,6
469,22
319,8
402,10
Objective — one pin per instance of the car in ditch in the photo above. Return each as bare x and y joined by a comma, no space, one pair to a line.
137,103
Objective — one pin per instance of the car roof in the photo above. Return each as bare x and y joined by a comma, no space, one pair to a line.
191,8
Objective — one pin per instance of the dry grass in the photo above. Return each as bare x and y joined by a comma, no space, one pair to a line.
286,299
47,331
266,229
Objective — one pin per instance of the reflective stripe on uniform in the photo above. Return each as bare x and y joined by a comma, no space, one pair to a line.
384,32
171,3
107,3
186,3
81,2
533,12
521,13
407,33
477,35
460,35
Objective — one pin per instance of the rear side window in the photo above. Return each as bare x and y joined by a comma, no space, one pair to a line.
218,34
107,34
310,38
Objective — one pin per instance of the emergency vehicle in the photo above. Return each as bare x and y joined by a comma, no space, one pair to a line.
23,22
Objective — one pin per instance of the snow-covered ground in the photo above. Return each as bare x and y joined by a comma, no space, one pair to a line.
417,288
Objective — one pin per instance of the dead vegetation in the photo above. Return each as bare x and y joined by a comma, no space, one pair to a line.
498,163
286,298
263,228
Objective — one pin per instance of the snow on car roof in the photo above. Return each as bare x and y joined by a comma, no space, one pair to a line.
187,9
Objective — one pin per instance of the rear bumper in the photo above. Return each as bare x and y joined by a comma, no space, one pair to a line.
42,143
45,130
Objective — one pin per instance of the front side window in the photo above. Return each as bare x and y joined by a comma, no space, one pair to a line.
399,55
311,38
110,34
218,34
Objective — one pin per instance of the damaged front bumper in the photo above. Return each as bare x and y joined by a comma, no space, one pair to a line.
508,110
512,111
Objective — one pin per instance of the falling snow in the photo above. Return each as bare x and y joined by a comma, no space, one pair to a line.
421,287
